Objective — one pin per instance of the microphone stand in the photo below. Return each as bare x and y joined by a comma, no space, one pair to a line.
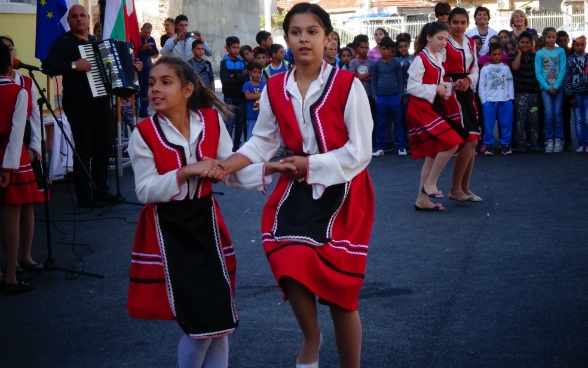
120,199
50,264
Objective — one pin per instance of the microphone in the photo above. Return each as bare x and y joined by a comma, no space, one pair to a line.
17,64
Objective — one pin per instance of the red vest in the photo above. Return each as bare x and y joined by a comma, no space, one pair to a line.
432,71
330,107
27,84
8,96
455,61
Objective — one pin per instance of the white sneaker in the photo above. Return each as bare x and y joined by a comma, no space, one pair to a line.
378,153
580,149
402,152
549,146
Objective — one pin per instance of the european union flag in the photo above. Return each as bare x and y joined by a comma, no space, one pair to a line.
51,23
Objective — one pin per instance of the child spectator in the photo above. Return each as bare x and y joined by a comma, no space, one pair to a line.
351,47
504,36
264,40
362,67
261,58
387,86
246,53
345,55
563,41
331,54
375,53
485,59
277,65
576,90
233,76
511,48
404,58
496,91
550,69
478,41
526,90
201,66
252,91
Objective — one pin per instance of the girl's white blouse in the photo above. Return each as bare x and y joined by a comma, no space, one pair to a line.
324,169
151,187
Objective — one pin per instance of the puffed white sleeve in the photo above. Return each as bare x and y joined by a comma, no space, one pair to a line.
35,120
13,151
474,74
251,177
343,164
415,86
149,185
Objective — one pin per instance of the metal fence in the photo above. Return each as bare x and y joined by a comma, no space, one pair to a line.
500,20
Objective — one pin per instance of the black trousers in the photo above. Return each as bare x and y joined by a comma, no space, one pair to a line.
92,130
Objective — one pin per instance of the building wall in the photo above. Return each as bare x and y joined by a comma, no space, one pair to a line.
219,19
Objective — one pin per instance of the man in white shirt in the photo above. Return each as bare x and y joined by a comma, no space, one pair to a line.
180,45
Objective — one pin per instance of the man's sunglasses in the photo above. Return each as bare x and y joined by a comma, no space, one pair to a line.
442,14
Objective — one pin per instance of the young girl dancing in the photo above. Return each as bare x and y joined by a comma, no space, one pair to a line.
183,264
432,135
17,181
317,223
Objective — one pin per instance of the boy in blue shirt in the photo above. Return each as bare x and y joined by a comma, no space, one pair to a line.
387,86
252,91
233,75
278,64
201,66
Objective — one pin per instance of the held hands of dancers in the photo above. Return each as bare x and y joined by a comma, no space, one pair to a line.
206,168
442,90
461,84
294,167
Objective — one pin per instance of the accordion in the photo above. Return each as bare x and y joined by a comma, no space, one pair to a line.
112,70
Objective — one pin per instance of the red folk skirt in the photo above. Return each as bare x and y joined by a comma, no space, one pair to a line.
23,186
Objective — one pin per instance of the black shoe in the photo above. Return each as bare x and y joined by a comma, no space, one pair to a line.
90,203
35,267
21,287
105,197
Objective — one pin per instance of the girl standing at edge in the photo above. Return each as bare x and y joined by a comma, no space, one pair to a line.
375,53
461,69
183,263
432,135
317,223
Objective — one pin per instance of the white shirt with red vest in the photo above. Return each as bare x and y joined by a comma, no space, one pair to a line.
154,188
324,169
34,117
16,116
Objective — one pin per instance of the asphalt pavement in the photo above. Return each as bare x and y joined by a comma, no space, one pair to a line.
501,283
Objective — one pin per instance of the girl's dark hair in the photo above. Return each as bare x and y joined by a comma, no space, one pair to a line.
5,63
476,37
202,96
495,37
2,38
350,46
494,46
320,14
546,30
429,29
526,35
386,34
458,11
345,49
504,31
512,43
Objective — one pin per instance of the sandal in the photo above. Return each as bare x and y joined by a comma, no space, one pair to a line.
14,289
434,209
437,195
466,198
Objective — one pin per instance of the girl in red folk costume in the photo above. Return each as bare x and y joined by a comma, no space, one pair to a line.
183,263
432,134
32,141
461,69
317,223
17,180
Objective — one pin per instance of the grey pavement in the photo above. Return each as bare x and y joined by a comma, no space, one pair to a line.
502,283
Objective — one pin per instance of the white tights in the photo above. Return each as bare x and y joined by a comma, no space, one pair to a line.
206,353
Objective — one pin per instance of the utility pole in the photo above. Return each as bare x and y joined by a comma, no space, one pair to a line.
267,14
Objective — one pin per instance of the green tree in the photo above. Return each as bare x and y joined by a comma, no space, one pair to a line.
277,20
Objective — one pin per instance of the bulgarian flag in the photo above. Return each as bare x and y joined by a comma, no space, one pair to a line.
120,22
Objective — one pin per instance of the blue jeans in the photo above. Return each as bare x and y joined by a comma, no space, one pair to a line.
503,111
581,119
389,108
250,126
237,122
553,124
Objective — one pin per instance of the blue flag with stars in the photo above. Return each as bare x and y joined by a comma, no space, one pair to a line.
51,23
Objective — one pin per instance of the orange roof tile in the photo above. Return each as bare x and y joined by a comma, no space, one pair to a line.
333,5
